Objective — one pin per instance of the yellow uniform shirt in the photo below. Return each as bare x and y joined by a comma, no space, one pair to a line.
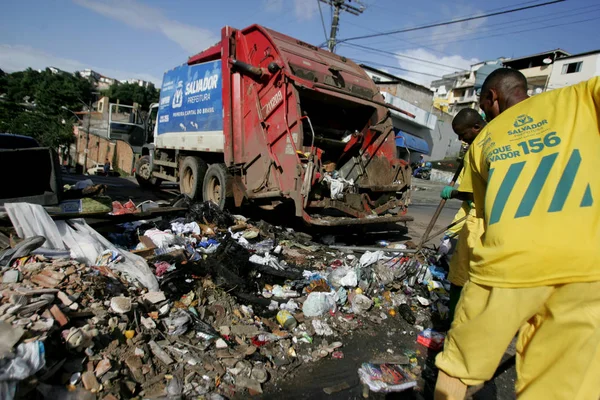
534,177
463,210
468,235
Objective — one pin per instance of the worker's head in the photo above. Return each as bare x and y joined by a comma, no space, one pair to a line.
467,124
503,88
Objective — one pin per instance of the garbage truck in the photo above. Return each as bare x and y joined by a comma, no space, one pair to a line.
265,118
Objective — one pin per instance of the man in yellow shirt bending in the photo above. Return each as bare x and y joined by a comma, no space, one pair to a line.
466,124
533,175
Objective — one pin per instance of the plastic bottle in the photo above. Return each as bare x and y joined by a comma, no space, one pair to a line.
286,320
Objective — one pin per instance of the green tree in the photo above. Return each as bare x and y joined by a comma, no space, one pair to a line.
49,131
32,104
129,93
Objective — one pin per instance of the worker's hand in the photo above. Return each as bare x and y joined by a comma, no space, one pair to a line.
447,192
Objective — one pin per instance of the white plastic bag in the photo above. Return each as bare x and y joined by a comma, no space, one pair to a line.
28,359
318,303
84,242
370,258
32,220
361,303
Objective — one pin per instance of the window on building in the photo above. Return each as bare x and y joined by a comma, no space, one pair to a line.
376,78
572,67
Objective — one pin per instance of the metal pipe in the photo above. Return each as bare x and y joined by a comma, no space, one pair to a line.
255,72
373,248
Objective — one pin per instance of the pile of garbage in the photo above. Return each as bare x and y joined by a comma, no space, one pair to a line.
205,304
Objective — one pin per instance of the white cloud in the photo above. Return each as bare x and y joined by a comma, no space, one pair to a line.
191,38
455,61
304,10
274,6
17,58
448,32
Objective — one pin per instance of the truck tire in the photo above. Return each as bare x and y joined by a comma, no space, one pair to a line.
191,176
217,185
143,174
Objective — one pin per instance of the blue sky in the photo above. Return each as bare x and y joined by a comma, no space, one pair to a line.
141,39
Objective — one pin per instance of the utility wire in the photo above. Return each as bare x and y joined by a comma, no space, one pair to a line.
521,31
391,12
394,67
454,67
487,27
561,15
456,21
322,21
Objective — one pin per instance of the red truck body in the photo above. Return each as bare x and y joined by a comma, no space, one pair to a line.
300,124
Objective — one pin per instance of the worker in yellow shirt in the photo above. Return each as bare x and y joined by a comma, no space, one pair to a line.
533,175
466,124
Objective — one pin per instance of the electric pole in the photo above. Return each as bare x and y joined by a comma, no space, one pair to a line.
340,5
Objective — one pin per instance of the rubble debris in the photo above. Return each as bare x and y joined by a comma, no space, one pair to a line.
120,305
204,304
431,339
386,377
160,353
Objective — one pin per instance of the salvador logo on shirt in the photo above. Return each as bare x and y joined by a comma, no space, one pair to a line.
525,124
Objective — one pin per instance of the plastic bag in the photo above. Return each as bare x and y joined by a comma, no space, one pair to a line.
445,246
32,220
133,265
361,303
343,276
29,358
318,303
84,242
370,258
159,238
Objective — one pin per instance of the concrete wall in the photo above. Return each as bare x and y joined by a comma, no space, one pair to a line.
589,69
445,141
442,141
422,98
119,153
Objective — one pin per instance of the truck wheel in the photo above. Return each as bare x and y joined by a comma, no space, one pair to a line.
191,176
217,185
143,173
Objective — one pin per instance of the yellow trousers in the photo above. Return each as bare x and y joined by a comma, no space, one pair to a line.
468,237
558,348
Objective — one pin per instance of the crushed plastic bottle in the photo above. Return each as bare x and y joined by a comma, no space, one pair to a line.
361,303
174,389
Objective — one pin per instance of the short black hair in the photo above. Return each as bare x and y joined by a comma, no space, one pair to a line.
467,117
505,80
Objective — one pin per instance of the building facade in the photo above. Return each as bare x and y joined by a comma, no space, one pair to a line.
458,90
537,68
573,69
428,131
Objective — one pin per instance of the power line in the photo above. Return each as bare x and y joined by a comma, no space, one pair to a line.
322,20
394,67
394,12
456,21
521,31
453,67
487,27
561,15
340,5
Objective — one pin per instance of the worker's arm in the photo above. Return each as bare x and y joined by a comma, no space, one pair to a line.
450,193
464,196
